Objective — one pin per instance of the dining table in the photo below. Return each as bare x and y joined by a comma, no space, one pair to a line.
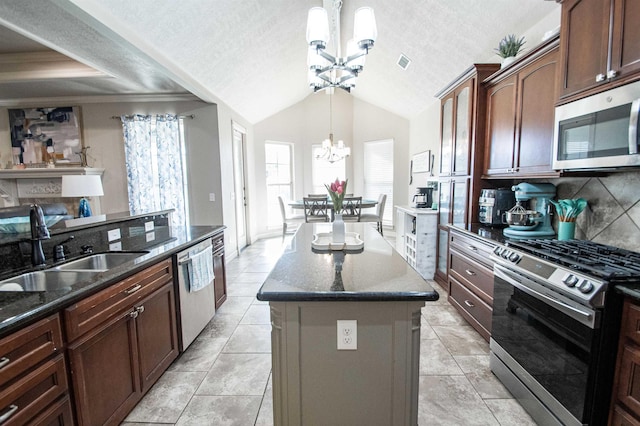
366,203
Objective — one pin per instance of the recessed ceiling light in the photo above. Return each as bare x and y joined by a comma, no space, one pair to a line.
403,61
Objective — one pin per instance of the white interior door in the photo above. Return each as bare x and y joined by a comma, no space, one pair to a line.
240,189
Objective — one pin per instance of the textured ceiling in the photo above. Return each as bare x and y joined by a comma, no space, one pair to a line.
251,54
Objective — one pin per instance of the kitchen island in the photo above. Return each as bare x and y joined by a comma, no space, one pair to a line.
375,380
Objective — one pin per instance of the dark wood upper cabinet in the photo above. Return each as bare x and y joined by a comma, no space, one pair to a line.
520,116
600,46
501,121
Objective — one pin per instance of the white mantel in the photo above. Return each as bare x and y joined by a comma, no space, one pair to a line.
37,182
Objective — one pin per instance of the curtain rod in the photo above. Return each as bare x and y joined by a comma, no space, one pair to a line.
117,117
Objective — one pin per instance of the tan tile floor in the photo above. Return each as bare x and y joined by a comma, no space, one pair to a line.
224,378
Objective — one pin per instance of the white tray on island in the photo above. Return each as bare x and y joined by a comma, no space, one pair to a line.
324,241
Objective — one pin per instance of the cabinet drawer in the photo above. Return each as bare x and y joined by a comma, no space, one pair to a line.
631,327
476,249
26,398
472,274
58,414
94,310
218,243
619,417
472,308
629,379
24,349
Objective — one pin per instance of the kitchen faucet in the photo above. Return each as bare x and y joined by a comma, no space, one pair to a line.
39,232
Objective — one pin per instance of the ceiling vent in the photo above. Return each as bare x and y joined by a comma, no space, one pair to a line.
403,61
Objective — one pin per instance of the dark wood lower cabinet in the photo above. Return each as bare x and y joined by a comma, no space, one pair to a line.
118,360
105,372
157,335
625,401
220,282
58,414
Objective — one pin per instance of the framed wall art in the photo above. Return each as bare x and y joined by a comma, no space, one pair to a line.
421,162
42,135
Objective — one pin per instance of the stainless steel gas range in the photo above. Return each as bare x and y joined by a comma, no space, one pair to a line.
555,325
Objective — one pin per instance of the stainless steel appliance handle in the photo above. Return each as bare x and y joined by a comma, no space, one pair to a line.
587,318
633,127
187,259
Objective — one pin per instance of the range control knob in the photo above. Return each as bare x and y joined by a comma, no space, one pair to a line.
585,286
505,254
570,280
514,257
498,250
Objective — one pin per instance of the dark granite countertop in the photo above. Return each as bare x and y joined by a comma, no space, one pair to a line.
375,273
629,290
20,308
492,234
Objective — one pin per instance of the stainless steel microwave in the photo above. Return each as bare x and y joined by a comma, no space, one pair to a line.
599,131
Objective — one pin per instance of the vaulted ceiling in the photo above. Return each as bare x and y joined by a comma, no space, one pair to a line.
249,54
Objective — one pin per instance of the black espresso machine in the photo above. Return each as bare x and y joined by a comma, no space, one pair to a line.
423,198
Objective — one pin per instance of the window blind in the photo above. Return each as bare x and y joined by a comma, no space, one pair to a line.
378,174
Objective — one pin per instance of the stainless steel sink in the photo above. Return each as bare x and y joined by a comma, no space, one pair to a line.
99,262
47,280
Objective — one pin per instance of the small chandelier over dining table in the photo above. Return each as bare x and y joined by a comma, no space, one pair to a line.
326,70
331,151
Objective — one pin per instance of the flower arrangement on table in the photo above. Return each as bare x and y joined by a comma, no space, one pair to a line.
336,191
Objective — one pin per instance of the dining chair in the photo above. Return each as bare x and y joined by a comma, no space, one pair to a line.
316,209
351,209
289,222
377,217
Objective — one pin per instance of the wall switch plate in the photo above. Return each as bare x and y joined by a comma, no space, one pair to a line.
347,335
115,246
148,226
212,196
114,234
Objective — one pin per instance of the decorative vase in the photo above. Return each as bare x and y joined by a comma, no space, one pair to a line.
338,229
507,61
566,230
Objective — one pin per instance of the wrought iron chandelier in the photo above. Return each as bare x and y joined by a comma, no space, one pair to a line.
326,70
332,152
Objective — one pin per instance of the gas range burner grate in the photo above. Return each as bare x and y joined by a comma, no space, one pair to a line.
606,262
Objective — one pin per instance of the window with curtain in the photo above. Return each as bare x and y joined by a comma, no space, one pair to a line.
279,166
324,172
155,160
378,174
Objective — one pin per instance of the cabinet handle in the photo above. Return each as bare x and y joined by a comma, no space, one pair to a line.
473,248
600,77
134,314
133,289
612,73
469,272
469,304
4,361
140,309
12,409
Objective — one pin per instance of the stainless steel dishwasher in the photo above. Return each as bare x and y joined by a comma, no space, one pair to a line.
196,308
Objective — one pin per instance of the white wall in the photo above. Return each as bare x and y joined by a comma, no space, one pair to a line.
307,123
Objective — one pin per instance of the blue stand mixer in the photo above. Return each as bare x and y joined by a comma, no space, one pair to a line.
535,222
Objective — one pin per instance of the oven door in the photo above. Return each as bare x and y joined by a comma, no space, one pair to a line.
545,342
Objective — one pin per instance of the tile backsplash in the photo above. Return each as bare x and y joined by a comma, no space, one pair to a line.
613,214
